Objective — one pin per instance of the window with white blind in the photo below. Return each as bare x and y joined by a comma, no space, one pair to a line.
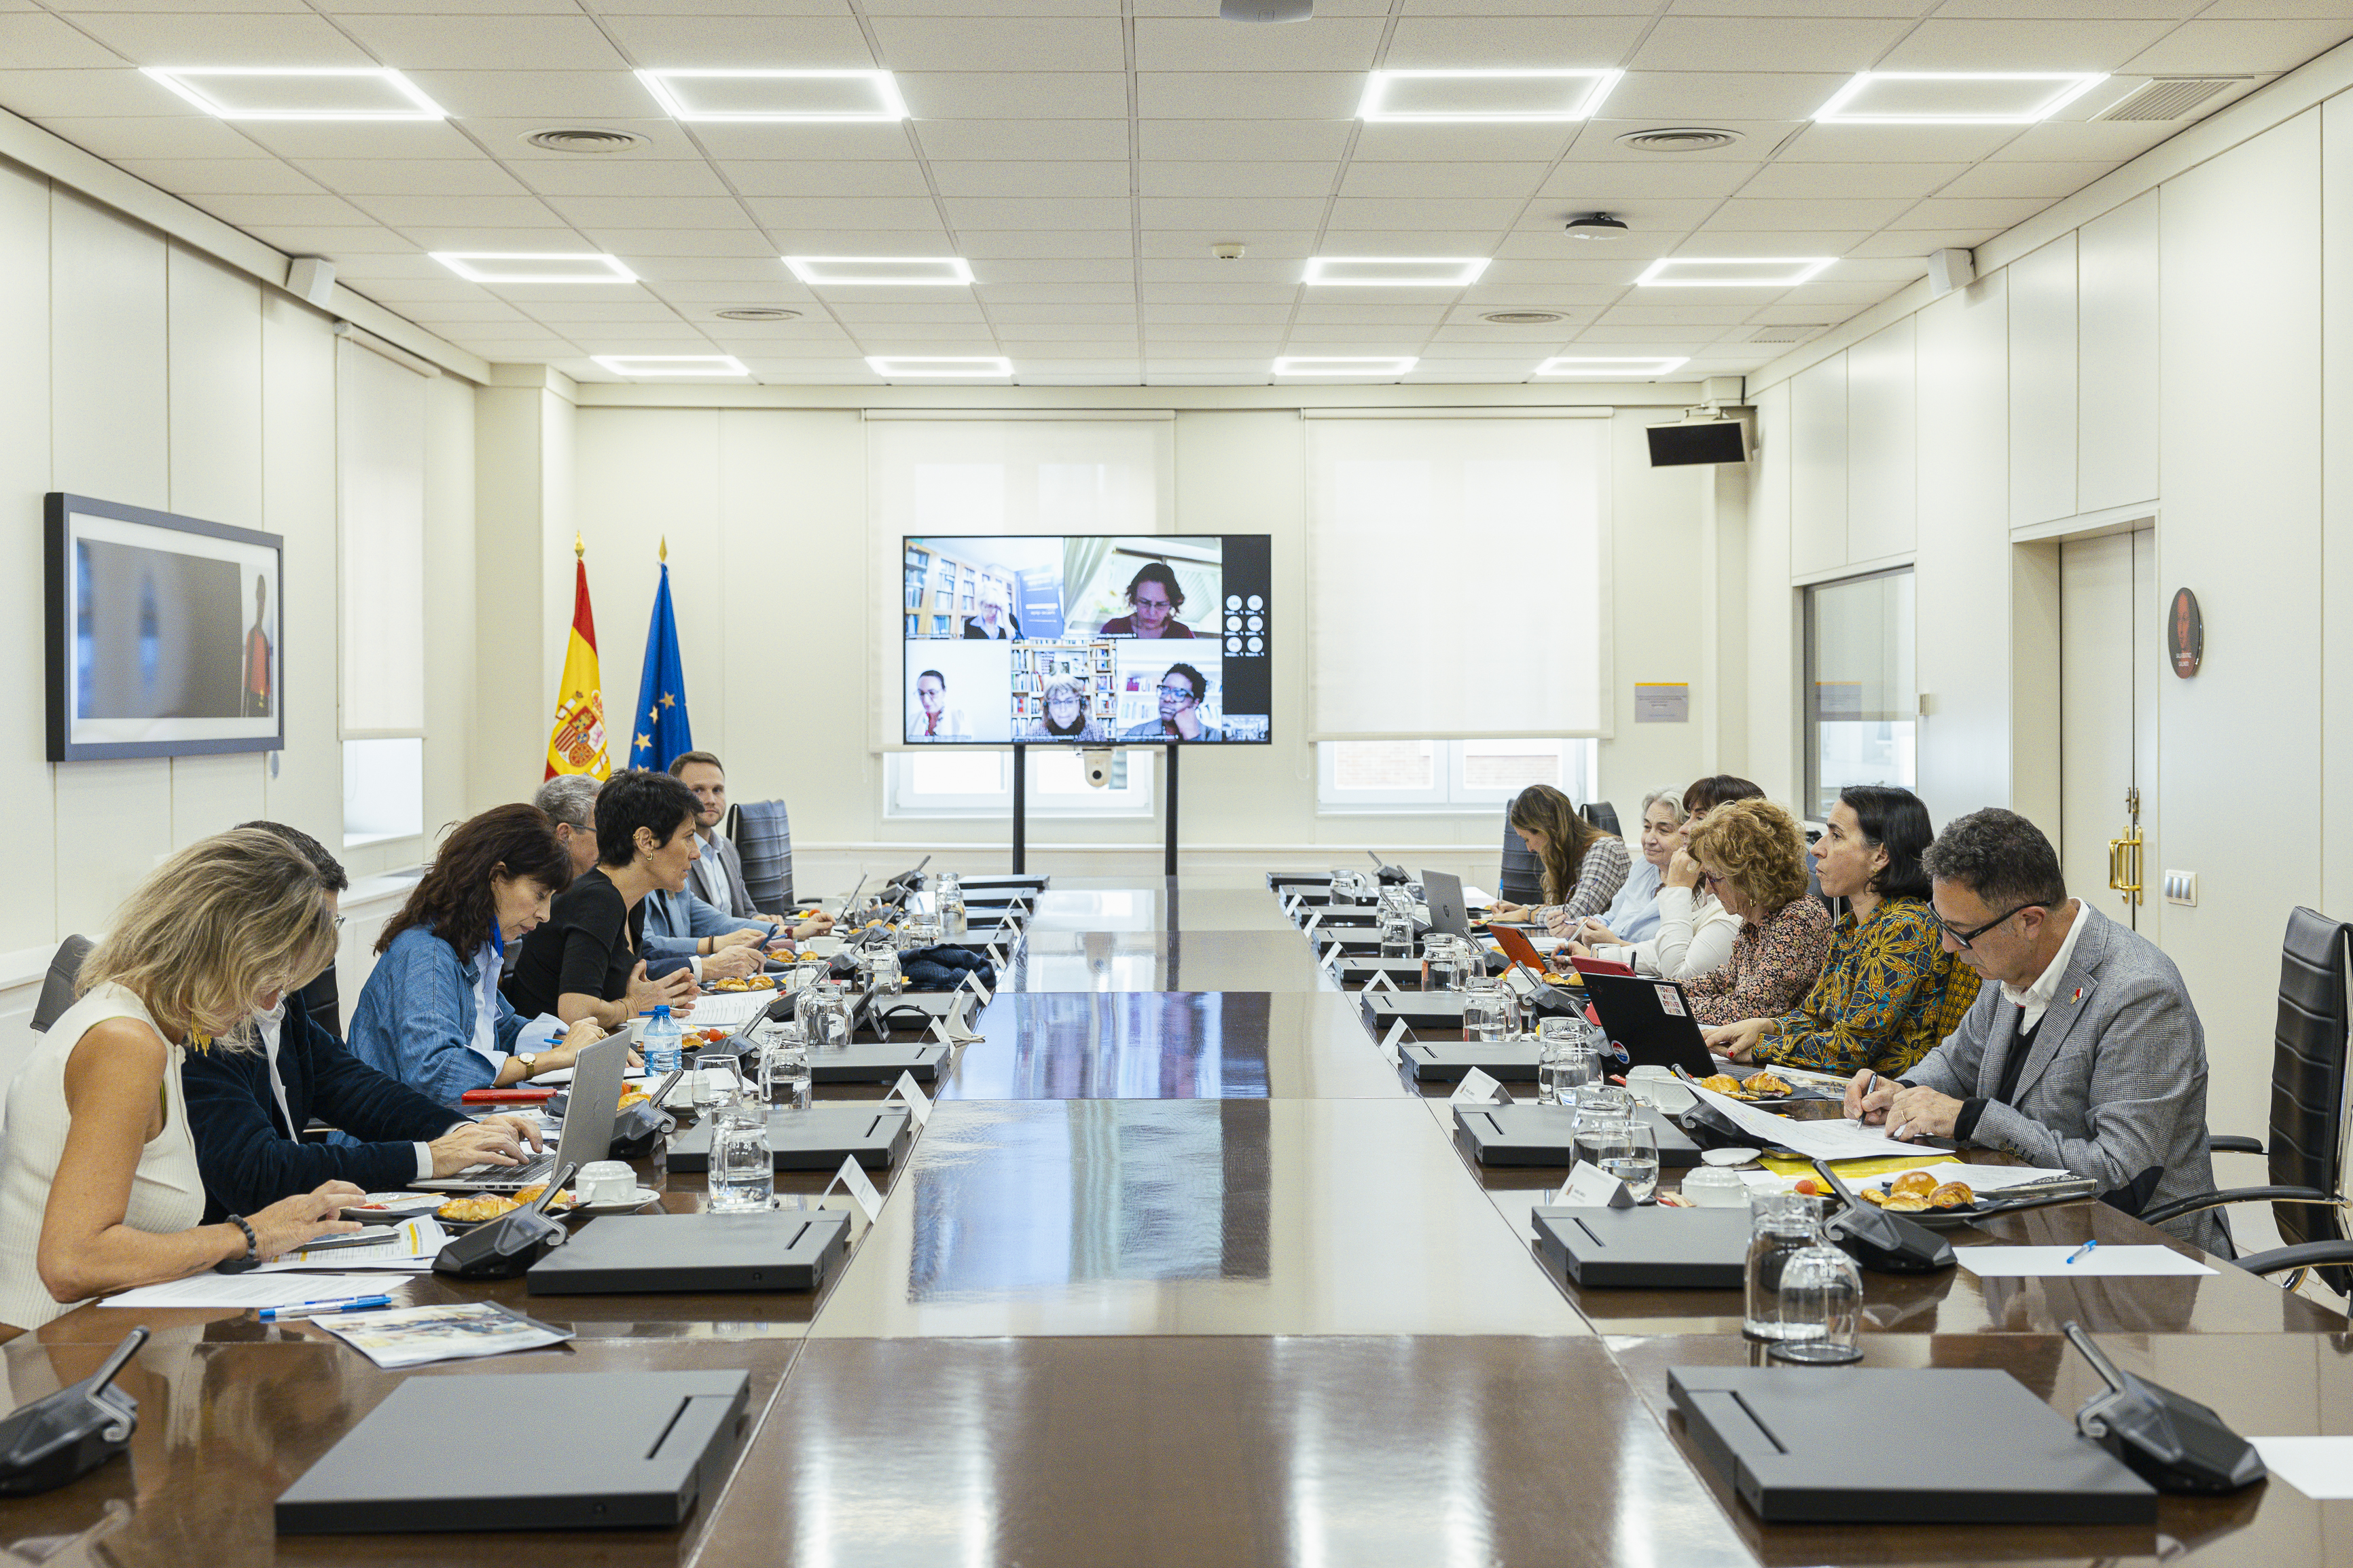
1476,775
1458,577
972,780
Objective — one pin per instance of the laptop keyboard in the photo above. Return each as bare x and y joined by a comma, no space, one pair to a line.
538,1168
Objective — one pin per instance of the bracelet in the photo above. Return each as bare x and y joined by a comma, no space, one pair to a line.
252,1243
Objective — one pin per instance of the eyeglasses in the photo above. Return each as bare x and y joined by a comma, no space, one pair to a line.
1962,939
1151,604
339,922
1712,880
1181,693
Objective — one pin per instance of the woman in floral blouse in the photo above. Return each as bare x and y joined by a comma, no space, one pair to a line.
1889,989
1752,856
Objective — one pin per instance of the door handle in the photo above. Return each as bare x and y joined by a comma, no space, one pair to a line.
2124,865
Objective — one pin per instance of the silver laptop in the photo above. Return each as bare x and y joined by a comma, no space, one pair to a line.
595,1100
1443,892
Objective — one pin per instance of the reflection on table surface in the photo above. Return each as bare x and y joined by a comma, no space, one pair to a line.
1164,961
1168,1045
1177,907
1123,1216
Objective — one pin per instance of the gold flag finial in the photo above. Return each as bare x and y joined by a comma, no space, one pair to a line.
665,550
579,551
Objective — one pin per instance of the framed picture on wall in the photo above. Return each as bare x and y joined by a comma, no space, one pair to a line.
163,635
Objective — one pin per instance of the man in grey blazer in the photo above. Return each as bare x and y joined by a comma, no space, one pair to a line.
2086,1054
718,875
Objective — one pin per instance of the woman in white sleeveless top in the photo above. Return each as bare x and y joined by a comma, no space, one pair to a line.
99,1190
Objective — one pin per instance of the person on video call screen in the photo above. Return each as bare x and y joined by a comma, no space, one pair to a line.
995,621
1154,598
1066,718
1181,691
934,720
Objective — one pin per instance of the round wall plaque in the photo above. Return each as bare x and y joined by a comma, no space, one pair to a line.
2185,634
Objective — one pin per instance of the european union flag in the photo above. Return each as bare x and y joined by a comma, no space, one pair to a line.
660,730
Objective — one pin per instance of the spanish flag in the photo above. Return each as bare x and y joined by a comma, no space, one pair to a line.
576,744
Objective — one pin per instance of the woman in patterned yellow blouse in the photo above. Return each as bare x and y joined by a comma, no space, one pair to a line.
1889,991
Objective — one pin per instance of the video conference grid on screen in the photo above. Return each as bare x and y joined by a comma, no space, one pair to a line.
1088,639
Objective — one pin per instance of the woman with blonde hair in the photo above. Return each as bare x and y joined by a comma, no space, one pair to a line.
1752,856
1583,867
101,1191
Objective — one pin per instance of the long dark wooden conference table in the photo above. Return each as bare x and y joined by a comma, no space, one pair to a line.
1183,1271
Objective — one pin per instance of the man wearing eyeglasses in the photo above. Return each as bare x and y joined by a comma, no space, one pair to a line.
2086,1055
1181,691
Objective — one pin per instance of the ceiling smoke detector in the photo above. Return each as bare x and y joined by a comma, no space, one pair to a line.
1678,139
1597,225
758,313
1522,318
1229,251
581,138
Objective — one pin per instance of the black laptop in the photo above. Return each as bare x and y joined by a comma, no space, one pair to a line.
630,1450
1649,1022
631,1255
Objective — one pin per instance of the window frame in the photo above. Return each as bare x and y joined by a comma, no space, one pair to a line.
1132,799
1448,795
1810,720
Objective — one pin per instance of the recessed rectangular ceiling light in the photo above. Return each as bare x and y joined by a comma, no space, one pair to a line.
672,364
1608,369
831,96
1332,365
1395,271
1491,97
533,266
881,271
900,367
1955,98
1745,271
299,92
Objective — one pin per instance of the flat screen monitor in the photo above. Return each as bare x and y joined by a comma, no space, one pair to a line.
1709,441
1088,639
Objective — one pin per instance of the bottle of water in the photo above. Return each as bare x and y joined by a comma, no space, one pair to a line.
953,918
661,1047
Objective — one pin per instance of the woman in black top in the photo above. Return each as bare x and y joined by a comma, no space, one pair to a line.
584,962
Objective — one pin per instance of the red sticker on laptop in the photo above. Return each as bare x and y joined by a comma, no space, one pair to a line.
1670,1001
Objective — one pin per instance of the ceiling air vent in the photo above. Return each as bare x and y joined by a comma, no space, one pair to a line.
758,313
1522,318
1678,139
1785,334
583,139
2168,96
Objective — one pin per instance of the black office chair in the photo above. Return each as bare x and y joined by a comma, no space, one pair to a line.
1522,880
764,837
57,985
1603,815
2308,1132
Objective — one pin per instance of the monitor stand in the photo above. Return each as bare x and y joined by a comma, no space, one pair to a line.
1021,811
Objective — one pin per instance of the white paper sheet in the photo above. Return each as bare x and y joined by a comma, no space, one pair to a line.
2100,1262
253,1289
410,1250
2319,1468
728,1009
1834,1140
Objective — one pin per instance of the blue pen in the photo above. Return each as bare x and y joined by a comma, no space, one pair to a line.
322,1307
2083,1249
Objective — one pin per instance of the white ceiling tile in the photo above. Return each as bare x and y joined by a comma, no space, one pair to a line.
540,299
664,140
651,212
157,137
1201,317
1660,176
1531,242
2048,181
486,43
1235,178
1364,339
1597,142
1208,44
37,42
1021,141
743,43
1649,339
939,337
412,177
1789,182
1001,44
1250,95
1239,217
1185,253
1898,144
1286,141
1043,245
427,236
551,93
1742,213
1035,318
2115,141
1446,221
1703,98
1329,314
1052,273
2021,44
1504,43
1711,239
970,8
2095,10
215,39
1514,295
513,351
999,292
299,139
2268,10
1462,143
46,95
1766,43
364,7
867,178
453,212
1162,292
336,243
1647,218
1049,212
279,211
472,313
800,213
1456,180
1066,178
1674,315
1015,95
1910,244
663,177
629,243
206,176
1988,213
814,143
766,274
570,314
1545,272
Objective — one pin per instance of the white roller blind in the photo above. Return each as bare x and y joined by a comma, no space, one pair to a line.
980,477
1457,577
380,482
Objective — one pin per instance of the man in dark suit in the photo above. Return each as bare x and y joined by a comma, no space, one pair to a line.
716,877
246,1109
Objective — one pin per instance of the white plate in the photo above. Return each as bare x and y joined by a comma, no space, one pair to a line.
636,1200
1727,1156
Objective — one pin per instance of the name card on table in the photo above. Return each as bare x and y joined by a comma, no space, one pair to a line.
995,957
1331,960
861,1188
1478,1088
1379,981
1392,1045
1590,1188
919,1104
1291,902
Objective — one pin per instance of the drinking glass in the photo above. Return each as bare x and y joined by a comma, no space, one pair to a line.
743,1168
1820,1307
921,930
822,1010
1601,1142
883,968
1780,1225
1448,957
785,1071
1637,1162
1396,933
1489,1012
1564,1059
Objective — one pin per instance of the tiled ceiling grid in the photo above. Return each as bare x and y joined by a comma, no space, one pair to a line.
1086,154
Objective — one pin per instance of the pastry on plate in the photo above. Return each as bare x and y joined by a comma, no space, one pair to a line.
1952,1195
473,1209
1912,1184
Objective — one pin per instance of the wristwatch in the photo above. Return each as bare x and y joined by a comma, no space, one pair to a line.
530,1060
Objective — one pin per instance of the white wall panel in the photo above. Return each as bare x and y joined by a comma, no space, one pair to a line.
1817,468
210,794
110,422
2042,383
1773,739
2335,815
298,501
2117,397
214,332
522,570
27,920
1961,598
2242,433
1883,438
114,822
450,618
1657,517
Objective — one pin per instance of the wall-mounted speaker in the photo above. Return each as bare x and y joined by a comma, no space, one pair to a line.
1951,268
311,279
